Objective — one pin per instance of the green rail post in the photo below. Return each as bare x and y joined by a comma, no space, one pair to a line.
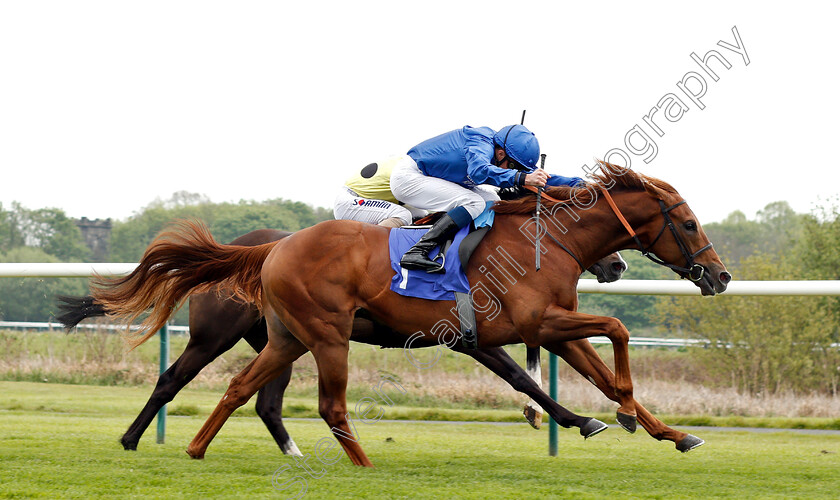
164,365
552,391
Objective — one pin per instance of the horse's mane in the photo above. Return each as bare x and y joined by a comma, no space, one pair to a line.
516,201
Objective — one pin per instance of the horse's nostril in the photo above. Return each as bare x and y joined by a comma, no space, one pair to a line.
618,267
725,277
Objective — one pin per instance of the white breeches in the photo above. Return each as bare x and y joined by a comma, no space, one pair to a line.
412,187
350,206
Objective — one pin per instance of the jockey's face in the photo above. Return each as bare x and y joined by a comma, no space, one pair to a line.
505,161
502,160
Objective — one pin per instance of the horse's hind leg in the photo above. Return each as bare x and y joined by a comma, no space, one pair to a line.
270,409
325,328
581,356
327,334
280,352
332,403
200,351
270,397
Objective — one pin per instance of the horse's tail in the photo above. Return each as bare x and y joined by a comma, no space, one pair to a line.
183,259
76,309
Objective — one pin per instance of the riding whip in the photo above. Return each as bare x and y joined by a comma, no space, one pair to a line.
539,206
539,199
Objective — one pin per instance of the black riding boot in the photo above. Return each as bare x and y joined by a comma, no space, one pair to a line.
418,256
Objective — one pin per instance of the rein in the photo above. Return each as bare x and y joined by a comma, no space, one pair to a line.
692,271
541,194
544,196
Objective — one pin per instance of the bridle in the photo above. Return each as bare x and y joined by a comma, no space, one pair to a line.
692,270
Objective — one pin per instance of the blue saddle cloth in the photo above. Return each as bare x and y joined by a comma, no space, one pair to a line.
420,284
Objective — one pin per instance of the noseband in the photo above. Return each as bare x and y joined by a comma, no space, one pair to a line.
692,270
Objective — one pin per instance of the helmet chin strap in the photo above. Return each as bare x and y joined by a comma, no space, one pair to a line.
504,142
504,147
513,164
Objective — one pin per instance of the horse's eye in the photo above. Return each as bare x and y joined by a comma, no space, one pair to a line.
691,225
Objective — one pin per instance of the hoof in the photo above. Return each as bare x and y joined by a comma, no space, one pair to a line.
533,417
128,445
688,443
290,448
194,454
592,427
627,422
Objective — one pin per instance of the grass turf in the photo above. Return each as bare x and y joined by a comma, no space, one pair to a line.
128,401
60,441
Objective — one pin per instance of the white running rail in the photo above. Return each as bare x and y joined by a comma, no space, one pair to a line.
622,287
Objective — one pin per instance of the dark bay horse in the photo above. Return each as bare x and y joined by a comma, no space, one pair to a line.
314,281
218,322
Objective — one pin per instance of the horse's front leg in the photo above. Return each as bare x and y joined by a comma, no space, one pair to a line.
500,363
581,356
562,325
533,411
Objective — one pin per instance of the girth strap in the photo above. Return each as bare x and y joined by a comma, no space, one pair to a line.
466,316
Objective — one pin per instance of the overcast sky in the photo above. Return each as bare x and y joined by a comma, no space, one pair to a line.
106,106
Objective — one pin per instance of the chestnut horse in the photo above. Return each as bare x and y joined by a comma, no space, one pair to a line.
218,322
314,281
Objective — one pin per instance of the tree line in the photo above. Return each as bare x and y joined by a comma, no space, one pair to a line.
769,345
48,235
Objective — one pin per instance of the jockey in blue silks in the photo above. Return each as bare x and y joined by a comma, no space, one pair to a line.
459,173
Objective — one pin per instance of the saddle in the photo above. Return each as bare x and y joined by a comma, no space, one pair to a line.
463,301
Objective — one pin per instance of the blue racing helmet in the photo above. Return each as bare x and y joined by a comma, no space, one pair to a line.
520,144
